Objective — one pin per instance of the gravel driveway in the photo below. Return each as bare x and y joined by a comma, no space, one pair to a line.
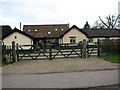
58,65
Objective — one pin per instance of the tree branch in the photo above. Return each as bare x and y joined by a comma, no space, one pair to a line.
103,22
116,21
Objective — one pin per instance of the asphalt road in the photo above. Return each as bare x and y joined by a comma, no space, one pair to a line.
61,80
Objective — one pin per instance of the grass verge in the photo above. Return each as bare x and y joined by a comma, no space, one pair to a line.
4,64
112,58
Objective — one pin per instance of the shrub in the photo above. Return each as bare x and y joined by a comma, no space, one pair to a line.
4,59
110,46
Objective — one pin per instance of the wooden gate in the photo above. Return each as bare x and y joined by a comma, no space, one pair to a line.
7,52
31,52
93,49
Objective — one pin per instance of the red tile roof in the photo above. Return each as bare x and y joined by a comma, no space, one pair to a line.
42,30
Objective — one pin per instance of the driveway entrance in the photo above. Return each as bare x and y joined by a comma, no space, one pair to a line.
57,66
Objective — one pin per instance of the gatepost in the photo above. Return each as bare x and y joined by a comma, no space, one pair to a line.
13,52
84,48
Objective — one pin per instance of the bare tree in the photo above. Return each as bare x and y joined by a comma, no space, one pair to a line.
110,21
98,24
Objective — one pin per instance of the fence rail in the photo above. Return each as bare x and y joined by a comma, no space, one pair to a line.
55,51
49,52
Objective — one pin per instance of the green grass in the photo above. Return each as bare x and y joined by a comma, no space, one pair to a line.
4,64
112,58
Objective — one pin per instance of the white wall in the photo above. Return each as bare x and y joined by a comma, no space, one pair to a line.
73,33
21,39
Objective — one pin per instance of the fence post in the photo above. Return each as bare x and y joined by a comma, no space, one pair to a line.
84,48
13,51
17,52
98,47
50,52
80,46
4,49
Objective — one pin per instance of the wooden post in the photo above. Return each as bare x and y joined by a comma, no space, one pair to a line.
13,52
17,52
81,51
84,48
50,52
4,49
98,48
87,48
80,46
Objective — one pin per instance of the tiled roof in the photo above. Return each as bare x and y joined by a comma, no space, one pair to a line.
6,30
96,32
46,31
17,30
102,32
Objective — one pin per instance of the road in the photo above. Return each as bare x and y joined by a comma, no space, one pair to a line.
61,80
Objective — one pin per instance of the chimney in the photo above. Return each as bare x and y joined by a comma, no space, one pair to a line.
20,26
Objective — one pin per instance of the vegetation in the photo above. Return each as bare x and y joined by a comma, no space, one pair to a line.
109,21
86,25
112,58
4,61
4,64
110,50
110,46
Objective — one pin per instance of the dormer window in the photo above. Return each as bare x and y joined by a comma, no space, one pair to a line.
56,29
29,30
35,30
49,32
62,29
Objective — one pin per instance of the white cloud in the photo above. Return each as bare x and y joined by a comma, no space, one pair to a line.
55,11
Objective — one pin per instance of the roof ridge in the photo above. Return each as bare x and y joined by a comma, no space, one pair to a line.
4,25
100,29
46,24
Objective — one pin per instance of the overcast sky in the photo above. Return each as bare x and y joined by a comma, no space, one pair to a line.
74,12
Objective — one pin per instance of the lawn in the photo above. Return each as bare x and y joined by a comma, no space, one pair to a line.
112,58
4,64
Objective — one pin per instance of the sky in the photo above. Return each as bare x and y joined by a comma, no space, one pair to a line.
37,12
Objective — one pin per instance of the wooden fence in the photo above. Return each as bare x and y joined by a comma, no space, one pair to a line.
7,53
49,52
54,51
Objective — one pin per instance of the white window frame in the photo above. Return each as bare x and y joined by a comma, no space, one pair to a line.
90,39
49,33
36,30
72,39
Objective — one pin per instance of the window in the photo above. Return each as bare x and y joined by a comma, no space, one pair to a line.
29,30
15,37
107,38
72,39
56,29
62,29
53,41
90,39
35,29
49,32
